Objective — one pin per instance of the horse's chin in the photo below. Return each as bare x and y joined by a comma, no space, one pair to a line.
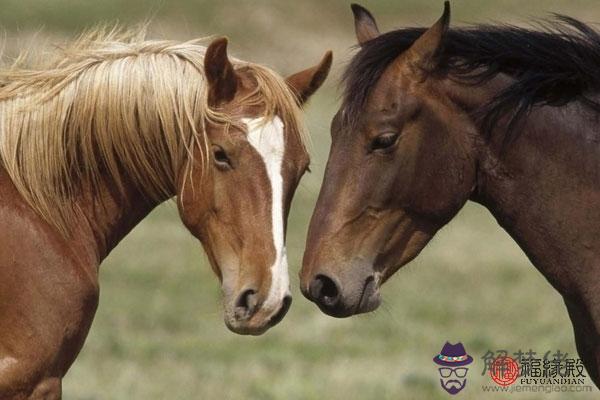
251,327
247,329
260,322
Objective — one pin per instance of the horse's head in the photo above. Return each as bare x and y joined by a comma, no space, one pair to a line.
236,201
398,170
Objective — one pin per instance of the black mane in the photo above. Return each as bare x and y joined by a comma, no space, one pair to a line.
554,65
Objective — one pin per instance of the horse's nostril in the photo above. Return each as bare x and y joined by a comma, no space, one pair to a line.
245,306
324,290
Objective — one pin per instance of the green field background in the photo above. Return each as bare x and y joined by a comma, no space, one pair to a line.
158,332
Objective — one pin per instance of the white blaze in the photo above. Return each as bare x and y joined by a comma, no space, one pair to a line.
267,138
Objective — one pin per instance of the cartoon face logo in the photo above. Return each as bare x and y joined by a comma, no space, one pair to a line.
453,373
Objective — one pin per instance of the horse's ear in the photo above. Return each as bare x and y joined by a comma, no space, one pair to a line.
220,75
364,24
306,82
425,51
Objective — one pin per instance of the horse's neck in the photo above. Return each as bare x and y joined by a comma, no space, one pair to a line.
543,189
107,216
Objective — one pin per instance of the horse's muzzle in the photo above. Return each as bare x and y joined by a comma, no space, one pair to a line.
246,316
337,300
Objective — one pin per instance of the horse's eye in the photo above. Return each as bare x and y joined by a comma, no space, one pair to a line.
220,157
384,141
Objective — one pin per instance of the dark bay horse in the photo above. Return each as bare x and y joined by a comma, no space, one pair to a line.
91,142
431,118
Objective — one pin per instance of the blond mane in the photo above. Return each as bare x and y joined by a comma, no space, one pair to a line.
113,105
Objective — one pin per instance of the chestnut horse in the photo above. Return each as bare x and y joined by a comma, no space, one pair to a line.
504,116
93,141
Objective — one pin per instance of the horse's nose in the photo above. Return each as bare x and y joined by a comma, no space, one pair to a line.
325,291
246,305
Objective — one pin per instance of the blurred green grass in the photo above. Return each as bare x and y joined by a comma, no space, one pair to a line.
158,333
